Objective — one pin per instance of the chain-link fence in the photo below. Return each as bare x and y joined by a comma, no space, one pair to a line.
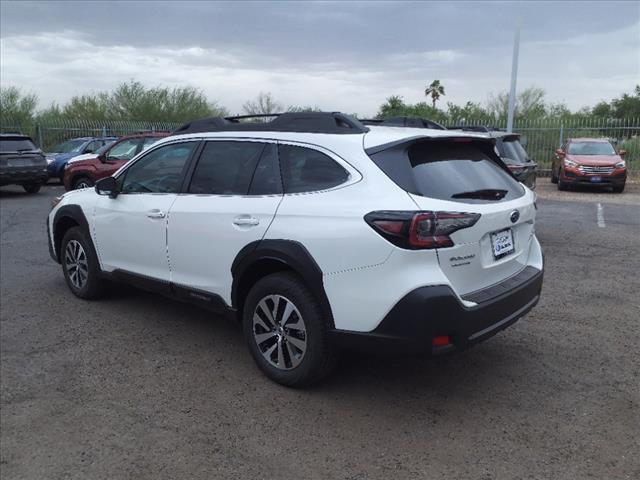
49,134
540,137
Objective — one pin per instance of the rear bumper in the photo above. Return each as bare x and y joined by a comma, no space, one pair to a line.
433,311
23,176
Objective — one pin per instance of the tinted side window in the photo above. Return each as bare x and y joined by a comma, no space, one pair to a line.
160,171
266,178
306,170
226,168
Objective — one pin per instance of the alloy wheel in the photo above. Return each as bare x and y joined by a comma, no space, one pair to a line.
279,332
75,260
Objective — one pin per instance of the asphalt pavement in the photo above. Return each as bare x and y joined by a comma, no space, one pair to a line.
136,386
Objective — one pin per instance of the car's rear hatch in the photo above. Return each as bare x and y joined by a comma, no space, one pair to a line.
19,153
465,175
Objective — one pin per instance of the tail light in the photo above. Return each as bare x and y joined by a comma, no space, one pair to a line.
420,230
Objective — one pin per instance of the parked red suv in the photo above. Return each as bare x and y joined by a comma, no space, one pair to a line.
84,173
589,161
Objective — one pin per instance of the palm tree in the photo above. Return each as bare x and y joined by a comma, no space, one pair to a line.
435,90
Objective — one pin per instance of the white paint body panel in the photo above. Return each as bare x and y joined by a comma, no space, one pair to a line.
127,239
204,240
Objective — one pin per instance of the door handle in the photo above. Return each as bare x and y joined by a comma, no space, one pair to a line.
243,221
155,213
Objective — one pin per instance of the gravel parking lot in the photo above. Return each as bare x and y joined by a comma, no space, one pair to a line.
137,386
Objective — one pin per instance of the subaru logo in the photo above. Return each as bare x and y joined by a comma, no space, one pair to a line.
515,215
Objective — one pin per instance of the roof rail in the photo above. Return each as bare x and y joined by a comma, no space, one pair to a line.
405,121
303,122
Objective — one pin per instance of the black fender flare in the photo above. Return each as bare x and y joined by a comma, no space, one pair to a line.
75,213
293,255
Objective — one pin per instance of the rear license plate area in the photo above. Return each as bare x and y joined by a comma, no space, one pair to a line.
502,243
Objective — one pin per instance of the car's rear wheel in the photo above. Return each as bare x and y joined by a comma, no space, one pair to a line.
287,332
32,187
80,265
82,182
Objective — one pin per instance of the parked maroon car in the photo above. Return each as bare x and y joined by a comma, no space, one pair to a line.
589,161
86,172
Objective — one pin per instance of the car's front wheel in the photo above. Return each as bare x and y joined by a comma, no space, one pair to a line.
618,188
287,332
82,182
80,265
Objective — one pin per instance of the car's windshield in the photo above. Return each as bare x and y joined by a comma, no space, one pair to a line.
70,146
105,147
591,148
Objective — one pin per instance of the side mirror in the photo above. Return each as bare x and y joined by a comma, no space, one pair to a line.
622,153
107,186
103,158
559,152
89,150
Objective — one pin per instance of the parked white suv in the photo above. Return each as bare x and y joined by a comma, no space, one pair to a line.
317,232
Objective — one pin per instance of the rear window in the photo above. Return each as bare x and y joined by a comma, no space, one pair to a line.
16,145
448,170
512,152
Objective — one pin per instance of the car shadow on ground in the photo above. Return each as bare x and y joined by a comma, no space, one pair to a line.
485,366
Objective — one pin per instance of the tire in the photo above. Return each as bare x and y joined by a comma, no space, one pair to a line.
554,177
82,182
561,185
297,353
32,187
618,189
84,282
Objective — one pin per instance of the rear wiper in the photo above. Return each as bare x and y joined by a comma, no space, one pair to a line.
487,193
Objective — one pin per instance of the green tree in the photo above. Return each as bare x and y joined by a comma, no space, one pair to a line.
133,101
306,108
470,112
435,91
530,104
16,108
394,106
627,105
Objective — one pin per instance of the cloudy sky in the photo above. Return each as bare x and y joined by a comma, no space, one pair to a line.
338,56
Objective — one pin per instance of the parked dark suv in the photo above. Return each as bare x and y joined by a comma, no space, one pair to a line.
511,152
21,162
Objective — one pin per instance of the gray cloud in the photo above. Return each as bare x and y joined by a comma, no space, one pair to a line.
336,55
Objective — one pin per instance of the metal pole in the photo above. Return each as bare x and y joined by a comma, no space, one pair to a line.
514,76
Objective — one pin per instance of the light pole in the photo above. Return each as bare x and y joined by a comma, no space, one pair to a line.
514,76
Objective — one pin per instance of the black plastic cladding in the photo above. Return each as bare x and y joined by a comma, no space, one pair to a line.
304,122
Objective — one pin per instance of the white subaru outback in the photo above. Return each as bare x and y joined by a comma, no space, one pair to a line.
317,232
